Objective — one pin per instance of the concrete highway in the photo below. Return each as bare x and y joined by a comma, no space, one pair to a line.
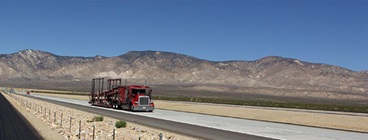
212,127
13,126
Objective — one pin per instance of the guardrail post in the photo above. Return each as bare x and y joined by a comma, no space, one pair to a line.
79,133
54,117
61,120
93,136
160,136
70,122
113,134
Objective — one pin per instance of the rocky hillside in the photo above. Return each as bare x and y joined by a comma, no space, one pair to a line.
36,65
171,68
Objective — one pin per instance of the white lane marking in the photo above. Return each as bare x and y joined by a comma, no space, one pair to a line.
286,130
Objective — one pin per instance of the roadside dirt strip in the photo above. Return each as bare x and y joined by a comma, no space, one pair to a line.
13,126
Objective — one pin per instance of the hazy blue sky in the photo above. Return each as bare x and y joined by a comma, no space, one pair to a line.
331,32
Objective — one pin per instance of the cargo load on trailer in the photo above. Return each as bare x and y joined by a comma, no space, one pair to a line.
118,96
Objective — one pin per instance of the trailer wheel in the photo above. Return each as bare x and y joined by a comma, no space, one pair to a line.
113,105
116,105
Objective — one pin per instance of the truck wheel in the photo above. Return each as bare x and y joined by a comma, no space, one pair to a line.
132,108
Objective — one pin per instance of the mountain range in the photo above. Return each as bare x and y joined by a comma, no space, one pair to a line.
271,75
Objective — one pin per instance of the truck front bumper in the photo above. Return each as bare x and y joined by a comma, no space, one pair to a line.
143,108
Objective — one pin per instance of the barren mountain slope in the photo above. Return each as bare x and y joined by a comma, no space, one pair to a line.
269,75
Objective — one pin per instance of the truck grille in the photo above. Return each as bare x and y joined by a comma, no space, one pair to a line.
144,100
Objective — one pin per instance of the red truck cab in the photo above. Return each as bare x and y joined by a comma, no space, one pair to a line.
136,98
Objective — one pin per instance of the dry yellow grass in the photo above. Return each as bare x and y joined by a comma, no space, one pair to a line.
334,121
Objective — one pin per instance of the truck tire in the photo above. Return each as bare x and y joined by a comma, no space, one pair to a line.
116,106
113,105
131,108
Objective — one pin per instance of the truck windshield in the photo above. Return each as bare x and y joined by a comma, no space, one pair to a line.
139,91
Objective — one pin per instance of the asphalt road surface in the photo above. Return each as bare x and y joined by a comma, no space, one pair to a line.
13,126
211,127
178,127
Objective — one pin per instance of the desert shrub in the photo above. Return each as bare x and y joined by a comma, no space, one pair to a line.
97,119
120,124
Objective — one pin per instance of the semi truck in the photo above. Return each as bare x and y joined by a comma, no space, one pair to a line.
118,96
